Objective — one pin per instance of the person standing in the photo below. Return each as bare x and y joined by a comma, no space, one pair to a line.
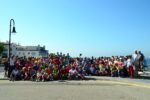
134,56
130,67
135,63
141,60
6,64
12,65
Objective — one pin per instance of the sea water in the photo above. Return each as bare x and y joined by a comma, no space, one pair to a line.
147,61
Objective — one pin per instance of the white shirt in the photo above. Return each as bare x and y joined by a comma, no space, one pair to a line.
72,72
129,62
12,62
134,56
15,72
115,62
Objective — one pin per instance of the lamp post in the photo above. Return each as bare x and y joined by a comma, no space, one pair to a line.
11,31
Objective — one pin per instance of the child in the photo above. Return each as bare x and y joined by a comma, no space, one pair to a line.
38,76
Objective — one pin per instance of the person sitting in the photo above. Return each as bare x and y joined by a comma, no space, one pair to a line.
15,75
23,73
102,70
93,70
114,71
73,74
63,73
32,75
44,75
27,73
86,69
38,76
55,72
49,72
80,73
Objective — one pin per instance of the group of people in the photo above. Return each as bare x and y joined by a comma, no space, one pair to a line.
64,67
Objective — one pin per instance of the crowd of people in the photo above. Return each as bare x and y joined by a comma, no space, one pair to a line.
64,67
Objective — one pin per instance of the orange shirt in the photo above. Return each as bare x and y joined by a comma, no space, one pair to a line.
49,71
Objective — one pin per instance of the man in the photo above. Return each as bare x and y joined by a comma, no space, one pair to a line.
140,58
12,65
138,62
135,63
134,55
15,75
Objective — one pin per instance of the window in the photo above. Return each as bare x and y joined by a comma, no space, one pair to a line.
33,53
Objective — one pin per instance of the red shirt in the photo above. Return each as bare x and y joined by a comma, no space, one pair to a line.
68,68
63,71
49,71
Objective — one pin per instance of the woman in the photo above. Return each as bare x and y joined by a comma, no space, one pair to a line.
130,67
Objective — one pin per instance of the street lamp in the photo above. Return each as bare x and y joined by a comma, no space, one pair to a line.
11,31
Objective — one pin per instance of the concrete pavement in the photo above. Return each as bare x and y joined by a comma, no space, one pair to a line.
92,81
96,88
72,90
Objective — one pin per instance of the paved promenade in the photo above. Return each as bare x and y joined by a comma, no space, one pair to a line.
102,89
96,88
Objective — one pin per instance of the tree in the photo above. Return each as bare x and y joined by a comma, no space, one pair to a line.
1,48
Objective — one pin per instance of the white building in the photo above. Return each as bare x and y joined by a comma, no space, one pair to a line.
31,51
21,51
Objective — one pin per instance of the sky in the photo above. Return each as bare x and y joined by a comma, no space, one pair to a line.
91,27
